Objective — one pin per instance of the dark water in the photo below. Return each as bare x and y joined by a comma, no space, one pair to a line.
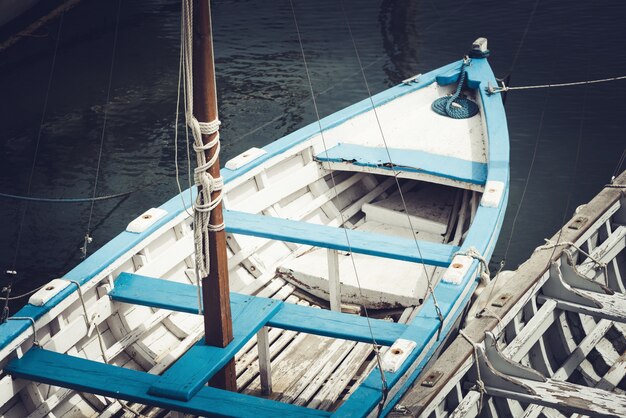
565,143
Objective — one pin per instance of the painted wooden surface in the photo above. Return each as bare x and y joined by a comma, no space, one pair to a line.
194,369
181,297
67,371
335,238
406,160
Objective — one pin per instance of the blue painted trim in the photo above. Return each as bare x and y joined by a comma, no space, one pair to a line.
361,242
198,365
407,160
180,297
483,234
117,382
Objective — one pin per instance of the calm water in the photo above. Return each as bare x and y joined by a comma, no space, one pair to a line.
565,143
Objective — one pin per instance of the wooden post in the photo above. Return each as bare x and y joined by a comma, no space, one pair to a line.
218,326
334,282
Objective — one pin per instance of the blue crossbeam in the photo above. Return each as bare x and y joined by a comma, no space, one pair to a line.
407,160
165,294
361,242
117,382
194,369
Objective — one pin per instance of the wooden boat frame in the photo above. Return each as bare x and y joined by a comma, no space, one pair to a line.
570,295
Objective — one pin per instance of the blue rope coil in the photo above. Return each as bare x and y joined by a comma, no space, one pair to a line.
454,106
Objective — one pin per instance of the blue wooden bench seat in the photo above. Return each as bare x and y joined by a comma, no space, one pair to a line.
361,242
407,160
187,376
90,376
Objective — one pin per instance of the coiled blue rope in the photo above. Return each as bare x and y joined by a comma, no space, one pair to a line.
454,106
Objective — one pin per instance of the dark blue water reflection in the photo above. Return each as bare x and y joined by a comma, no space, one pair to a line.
565,143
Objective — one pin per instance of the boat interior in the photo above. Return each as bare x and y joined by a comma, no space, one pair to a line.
318,212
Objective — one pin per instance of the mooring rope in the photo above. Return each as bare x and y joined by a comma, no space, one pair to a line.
504,88
480,385
20,228
455,106
64,199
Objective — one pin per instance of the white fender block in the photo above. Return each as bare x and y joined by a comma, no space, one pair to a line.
47,292
458,269
245,158
145,220
493,194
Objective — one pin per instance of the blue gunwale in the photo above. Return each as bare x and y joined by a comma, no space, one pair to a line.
423,328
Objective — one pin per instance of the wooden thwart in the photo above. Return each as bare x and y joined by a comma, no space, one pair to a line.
131,288
194,369
117,382
323,236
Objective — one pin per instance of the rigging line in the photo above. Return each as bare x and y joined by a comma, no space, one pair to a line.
573,182
341,81
65,199
544,86
180,81
30,292
39,134
532,162
308,75
395,173
523,40
618,168
104,124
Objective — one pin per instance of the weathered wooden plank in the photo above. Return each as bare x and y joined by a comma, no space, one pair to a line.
120,383
567,397
335,238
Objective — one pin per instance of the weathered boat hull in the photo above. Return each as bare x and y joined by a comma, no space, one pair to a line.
549,340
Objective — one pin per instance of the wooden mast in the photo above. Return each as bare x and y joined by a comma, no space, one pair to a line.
215,289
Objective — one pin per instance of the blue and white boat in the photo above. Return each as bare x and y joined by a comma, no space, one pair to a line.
354,246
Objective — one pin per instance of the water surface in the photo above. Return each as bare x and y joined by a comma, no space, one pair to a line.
565,143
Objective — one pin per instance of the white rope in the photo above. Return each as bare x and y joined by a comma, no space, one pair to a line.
207,184
91,322
480,385
504,88
32,324
550,244
475,254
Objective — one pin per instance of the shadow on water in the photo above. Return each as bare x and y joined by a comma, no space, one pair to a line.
565,143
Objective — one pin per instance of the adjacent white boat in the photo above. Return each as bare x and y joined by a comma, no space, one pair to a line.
385,204
548,339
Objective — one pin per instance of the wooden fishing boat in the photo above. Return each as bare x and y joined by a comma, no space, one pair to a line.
549,339
385,205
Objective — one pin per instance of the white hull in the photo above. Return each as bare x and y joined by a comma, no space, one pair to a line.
295,183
